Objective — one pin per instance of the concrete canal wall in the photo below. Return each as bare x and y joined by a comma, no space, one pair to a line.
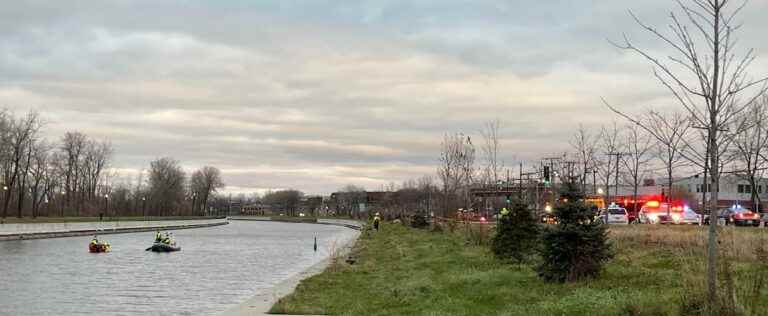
357,225
56,230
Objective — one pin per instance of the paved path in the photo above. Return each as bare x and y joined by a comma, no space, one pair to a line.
53,230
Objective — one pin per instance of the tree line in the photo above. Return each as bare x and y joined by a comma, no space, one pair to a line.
73,176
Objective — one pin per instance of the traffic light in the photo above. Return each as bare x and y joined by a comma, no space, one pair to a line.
509,199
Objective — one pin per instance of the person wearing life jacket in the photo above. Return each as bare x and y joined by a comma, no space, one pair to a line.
94,243
158,236
376,220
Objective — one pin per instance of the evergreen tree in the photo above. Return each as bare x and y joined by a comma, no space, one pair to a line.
517,233
577,247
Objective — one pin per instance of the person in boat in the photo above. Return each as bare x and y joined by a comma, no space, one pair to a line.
94,241
158,236
167,239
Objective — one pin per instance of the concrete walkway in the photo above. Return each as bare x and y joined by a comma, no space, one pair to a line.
55,230
262,302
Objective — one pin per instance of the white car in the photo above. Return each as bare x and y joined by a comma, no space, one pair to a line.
615,215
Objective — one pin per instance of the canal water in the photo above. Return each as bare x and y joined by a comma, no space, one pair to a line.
217,268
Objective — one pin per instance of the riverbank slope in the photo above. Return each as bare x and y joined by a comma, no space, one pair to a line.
404,271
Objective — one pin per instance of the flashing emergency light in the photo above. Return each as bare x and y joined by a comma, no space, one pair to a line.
548,208
652,204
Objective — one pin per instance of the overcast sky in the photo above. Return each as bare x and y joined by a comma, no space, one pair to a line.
314,95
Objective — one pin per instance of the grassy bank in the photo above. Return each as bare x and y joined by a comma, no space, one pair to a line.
403,271
24,220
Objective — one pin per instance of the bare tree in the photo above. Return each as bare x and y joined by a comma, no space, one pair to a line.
96,158
457,159
204,182
166,185
493,166
287,200
750,146
22,132
636,157
72,145
669,131
40,175
585,145
606,167
709,80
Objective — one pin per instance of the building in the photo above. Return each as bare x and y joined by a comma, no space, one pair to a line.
733,190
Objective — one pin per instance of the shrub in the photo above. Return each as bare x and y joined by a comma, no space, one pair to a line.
577,247
419,221
517,234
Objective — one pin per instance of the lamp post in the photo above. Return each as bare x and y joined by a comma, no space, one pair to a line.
144,207
194,203
5,194
62,203
106,205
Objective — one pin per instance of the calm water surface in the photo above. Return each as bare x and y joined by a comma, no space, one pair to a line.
217,268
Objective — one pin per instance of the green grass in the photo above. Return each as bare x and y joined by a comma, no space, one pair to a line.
25,220
403,271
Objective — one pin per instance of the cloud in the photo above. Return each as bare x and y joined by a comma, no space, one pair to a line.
316,94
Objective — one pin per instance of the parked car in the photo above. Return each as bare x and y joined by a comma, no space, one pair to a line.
738,216
614,215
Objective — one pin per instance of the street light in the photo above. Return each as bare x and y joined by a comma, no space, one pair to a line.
600,191
194,202
144,207
106,204
62,203
5,192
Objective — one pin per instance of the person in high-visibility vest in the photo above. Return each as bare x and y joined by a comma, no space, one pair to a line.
158,236
376,220
504,212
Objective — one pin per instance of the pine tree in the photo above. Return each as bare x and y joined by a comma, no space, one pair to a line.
577,247
517,234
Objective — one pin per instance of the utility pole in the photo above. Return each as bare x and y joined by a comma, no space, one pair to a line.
520,185
552,182
616,177
569,170
594,180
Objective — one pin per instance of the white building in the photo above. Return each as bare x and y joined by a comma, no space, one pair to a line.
733,190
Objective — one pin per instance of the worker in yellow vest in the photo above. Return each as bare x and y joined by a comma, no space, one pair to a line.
504,212
376,220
